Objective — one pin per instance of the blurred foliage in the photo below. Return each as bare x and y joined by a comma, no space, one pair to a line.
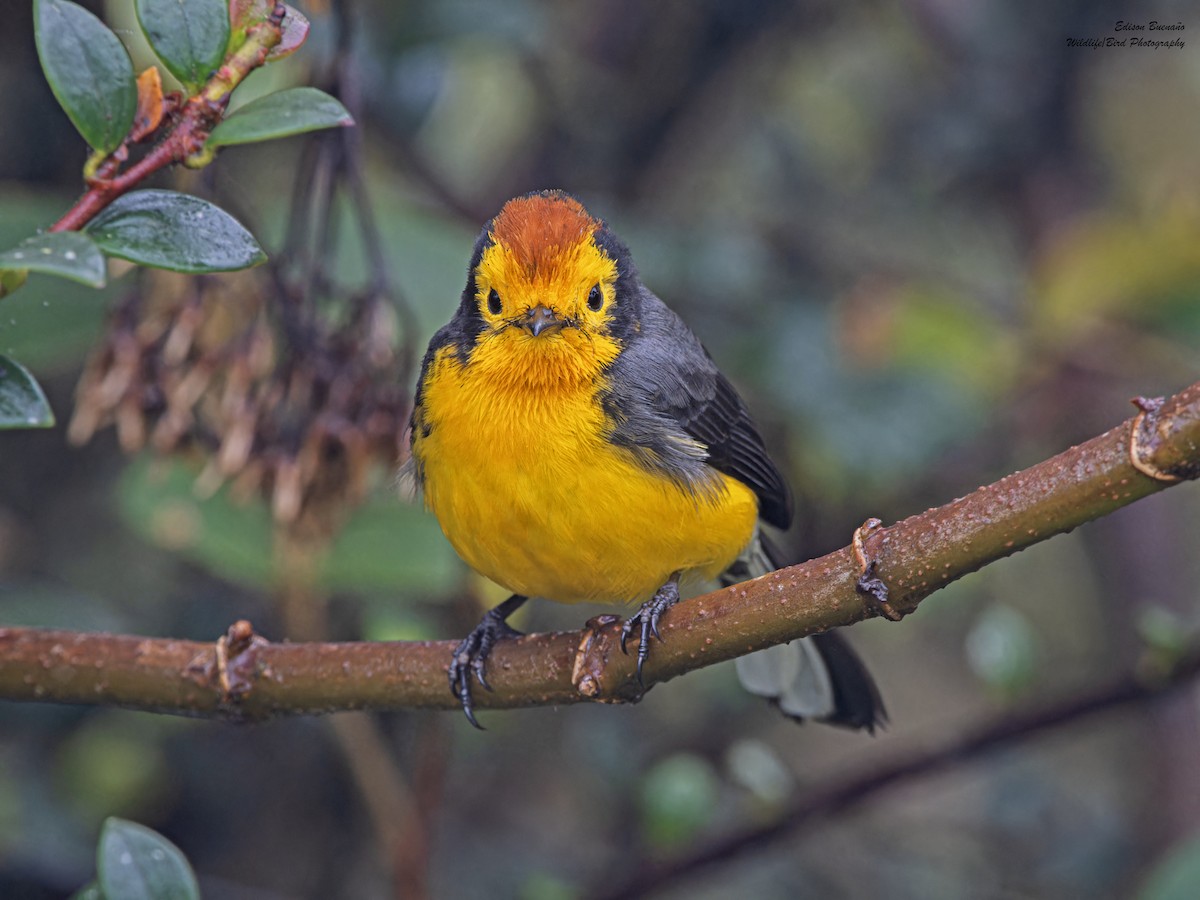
930,243
679,799
1177,877
234,540
1001,650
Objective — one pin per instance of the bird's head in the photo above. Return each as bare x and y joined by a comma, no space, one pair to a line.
551,290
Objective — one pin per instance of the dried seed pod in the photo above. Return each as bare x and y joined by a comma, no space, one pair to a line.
287,400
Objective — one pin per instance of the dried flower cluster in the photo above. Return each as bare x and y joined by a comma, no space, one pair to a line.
274,395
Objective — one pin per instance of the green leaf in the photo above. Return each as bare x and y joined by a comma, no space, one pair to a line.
281,114
68,254
88,69
189,36
89,892
174,231
22,403
136,863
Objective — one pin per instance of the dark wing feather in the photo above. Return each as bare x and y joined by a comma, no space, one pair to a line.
680,415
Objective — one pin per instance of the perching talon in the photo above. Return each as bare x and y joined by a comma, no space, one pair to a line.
472,652
648,614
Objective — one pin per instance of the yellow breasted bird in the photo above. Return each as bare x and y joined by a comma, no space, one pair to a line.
576,442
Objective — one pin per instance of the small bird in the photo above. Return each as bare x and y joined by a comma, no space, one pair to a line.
577,443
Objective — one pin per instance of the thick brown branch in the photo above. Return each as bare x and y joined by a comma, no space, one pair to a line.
244,677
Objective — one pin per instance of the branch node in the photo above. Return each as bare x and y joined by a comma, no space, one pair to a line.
237,660
1143,439
596,641
870,585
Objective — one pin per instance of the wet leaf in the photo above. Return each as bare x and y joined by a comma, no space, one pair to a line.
189,36
22,402
68,254
88,69
136,863
281,114
174,231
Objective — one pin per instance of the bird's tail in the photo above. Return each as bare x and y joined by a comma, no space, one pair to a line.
819,677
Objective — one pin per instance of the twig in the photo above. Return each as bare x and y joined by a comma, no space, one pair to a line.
912,559
351,165
190,131
840,797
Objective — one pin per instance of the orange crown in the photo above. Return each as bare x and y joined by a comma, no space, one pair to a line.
537,229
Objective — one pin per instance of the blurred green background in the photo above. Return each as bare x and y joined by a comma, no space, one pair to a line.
931,244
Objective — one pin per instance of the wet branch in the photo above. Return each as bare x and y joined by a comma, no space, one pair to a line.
242,676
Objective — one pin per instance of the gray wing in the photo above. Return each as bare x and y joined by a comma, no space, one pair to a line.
681,417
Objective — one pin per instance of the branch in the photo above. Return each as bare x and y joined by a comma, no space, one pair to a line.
191,129
840,797
244,677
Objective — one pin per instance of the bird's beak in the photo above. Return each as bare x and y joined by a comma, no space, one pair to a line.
541,318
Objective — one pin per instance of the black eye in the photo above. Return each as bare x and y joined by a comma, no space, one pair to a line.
595,298
494,304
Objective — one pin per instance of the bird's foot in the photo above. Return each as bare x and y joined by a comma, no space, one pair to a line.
647,618
472,653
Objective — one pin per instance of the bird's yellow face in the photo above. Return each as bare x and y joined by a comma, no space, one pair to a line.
546,295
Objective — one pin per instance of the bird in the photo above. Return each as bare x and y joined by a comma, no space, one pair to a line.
577,443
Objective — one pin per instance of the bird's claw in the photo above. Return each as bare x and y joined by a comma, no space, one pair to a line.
470,658
646,620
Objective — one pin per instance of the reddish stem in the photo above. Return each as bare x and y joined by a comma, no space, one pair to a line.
190,131
186,138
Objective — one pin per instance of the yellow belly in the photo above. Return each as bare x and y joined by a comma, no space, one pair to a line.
532,496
